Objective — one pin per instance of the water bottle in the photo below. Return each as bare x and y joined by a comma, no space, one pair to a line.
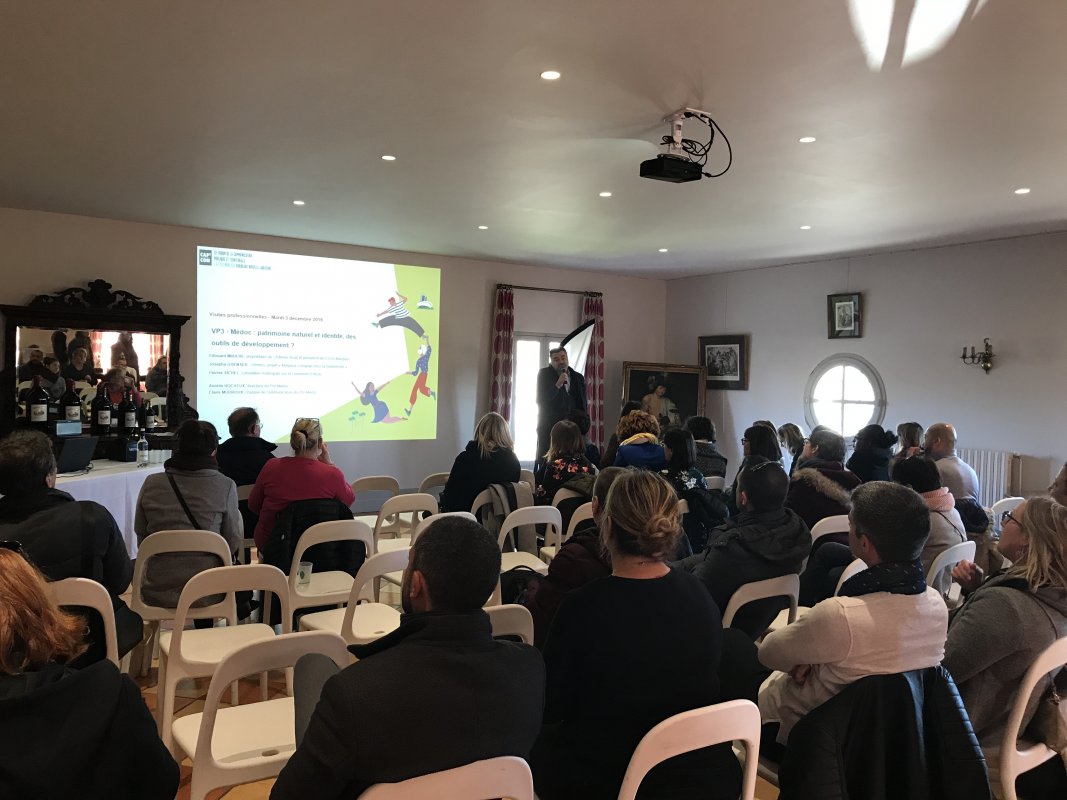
142,450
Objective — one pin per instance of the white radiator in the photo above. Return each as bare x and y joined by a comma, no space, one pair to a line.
999,472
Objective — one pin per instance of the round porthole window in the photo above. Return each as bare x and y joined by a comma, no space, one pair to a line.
844,393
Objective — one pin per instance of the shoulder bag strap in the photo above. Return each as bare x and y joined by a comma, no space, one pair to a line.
181,499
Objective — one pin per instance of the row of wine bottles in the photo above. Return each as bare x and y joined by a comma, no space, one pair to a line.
126,418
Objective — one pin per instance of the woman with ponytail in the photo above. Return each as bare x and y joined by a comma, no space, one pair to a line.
627,651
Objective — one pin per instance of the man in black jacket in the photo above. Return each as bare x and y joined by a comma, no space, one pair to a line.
560,390
439,692
64,537
243,455
766,540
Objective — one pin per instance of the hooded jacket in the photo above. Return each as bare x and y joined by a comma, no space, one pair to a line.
821,489
470,474
753,546
871,464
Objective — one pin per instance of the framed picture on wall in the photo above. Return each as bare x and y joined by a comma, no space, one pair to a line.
670,392
725,361
844,316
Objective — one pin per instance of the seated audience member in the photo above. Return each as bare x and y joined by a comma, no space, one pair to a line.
308,474
487,459
1008,620
909,442
870,459
581,419
564,461
885,620
67,732
612,448
710,462
792,439
190,494
34,366
679,448
64,537
1058,488
243,455
758,441
956,474
946,527
119,362
439,684
821,485
626,652
79,368
115,383
766,540
156,379
581,559
639,445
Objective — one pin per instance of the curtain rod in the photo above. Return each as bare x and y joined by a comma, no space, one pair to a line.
541,289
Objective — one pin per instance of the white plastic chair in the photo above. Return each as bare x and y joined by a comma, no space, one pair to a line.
482,499
391,520
784,586
86,593
548,552
374,483
433,481
736,720
527,476
505,776
835,524
359,622
148,396
160,542
241,744
999,507
683,507
716,482
197,653
582,513
243,493
1014,756
157,402
946,561
531,515
857,566
395,577
329,587
512,620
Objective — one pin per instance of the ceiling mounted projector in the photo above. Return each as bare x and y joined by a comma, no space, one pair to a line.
685,159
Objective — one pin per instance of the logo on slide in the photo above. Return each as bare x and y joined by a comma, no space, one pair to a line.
205,257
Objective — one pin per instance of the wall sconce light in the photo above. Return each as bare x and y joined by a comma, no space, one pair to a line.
984,359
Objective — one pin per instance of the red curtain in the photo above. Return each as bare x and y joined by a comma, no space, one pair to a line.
501,363
593,308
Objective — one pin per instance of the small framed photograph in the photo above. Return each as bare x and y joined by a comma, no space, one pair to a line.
725,360
672,393
844,316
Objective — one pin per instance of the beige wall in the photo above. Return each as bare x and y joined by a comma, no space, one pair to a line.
48,252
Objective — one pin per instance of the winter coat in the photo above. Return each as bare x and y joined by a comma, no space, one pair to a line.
710,462
821,489
871,464
242,457
472,474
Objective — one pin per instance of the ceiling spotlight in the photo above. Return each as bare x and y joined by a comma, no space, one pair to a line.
806,139
388,158
550,75
805,227
663,249
605,194
1023,190
483,227
299,203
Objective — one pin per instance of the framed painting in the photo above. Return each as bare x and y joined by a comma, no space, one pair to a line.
844,316
670,392
725,360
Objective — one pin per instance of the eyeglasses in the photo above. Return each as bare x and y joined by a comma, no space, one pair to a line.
11,544
1007,517
744,440
300,420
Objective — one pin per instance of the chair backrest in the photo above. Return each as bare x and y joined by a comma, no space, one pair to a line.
564,494
583,513
158,402
483,498
1014,761
376,483
172,542
528,476
533,515
374,567
433,481
512,620
683,507
401,504
949,558
716,482
784,586
86,593
999,507
737,720
146,396
505,776
857,566
426,523
835,524
342,530
227,580
244,491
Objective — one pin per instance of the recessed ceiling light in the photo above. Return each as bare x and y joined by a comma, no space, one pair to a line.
298,203
1022,190
663,250
550,75
605,194
483,227
806,139
388,158
805,227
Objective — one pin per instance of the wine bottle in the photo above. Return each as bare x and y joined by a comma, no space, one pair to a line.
37,405
72,405
102,412
149,415
128,414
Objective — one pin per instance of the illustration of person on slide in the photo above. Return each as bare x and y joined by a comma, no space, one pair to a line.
369,397
421,371
398,314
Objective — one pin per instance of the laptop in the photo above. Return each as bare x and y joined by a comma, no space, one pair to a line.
75,453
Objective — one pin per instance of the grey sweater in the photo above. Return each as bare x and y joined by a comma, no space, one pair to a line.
212,497
993,638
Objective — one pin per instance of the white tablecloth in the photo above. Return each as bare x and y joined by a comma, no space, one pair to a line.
114,485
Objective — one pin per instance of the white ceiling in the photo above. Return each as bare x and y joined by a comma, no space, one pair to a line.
219,114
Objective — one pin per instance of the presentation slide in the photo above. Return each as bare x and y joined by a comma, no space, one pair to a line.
353,343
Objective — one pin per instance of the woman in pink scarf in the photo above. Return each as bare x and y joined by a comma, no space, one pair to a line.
946,527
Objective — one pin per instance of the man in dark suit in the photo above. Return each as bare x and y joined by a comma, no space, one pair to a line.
438,692
560,390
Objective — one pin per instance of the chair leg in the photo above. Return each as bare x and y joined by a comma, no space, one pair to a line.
289,681
235,698
263,686
148,646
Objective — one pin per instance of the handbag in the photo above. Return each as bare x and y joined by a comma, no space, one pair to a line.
513,583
